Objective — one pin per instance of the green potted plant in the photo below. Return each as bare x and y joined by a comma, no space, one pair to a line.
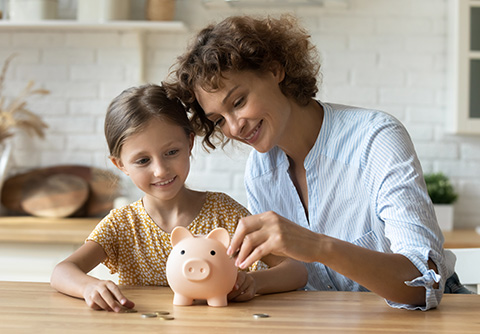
443,196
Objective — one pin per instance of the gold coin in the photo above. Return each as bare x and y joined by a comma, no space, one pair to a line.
128,310
149,315
162,312
166,317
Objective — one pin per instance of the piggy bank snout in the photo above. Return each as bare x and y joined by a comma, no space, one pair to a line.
196,269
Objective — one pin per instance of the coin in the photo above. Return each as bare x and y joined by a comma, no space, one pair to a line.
260,315
149,315
166,317
128,310
162,312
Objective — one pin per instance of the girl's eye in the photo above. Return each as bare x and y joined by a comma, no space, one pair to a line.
142,161
171,152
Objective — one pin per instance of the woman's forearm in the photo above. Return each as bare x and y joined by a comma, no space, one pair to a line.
382,273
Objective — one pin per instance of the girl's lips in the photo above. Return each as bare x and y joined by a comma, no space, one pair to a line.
164,183
253,136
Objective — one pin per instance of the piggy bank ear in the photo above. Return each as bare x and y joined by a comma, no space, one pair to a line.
178,234
221,235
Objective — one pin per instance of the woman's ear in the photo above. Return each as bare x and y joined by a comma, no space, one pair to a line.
119,164
278,71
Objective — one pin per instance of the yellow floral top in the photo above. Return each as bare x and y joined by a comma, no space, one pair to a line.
138,249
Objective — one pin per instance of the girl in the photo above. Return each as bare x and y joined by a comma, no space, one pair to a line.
150,139
336,186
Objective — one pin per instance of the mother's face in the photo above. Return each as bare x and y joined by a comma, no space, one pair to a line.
249,107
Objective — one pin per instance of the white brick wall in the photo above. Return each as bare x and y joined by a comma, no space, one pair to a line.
384,54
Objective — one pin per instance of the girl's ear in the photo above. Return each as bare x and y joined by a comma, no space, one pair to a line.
119,164
192,140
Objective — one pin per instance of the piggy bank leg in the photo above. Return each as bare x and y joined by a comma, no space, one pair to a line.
181,300
217,301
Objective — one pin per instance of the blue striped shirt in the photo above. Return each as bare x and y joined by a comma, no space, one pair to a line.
365,186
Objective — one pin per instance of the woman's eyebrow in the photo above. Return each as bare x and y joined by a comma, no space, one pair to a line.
229,93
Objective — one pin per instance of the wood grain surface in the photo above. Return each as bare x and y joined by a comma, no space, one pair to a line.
37,308
103,187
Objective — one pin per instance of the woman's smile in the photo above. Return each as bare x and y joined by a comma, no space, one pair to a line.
253,136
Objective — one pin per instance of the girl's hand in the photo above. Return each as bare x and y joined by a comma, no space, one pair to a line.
269,233
244,289
106,295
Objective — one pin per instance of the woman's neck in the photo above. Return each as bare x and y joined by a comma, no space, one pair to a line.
302,132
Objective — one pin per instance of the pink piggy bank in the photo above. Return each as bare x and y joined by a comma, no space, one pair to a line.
199,268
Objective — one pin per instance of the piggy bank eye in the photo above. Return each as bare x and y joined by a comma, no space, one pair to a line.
212,252
182,252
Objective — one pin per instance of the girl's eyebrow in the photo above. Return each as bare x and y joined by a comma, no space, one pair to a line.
230,92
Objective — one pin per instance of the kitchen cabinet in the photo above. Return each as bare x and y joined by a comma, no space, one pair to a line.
30,247
140,28
464,71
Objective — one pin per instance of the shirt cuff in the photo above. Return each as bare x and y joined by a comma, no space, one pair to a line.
433,296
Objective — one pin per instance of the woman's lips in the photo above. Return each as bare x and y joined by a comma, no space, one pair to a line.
254,134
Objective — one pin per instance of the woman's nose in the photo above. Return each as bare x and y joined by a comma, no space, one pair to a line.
236,126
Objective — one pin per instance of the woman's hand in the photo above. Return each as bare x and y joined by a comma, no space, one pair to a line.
244,289
105,295
269,233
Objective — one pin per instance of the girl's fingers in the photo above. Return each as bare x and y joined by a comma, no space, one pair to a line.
119,297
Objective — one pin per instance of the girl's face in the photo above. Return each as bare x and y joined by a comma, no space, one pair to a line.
157,159
249,107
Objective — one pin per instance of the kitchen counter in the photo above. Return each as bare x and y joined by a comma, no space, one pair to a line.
28,229
75,230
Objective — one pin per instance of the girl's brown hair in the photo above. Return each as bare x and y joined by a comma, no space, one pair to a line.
242,43
130,112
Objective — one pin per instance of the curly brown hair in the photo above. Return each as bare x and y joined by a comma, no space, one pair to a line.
243,43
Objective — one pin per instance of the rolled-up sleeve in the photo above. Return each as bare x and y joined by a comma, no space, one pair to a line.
402,203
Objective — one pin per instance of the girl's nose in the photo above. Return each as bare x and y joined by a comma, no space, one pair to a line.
158,169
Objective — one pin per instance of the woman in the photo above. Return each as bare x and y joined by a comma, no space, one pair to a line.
337,187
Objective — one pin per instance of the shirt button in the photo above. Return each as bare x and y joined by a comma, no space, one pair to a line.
329,286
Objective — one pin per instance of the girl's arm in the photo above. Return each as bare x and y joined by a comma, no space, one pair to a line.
70,277
284,274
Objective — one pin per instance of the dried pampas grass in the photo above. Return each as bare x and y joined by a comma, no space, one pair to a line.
15,115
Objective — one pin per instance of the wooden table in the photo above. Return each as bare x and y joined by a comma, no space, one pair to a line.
37,308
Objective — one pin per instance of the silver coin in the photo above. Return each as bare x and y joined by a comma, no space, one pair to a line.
162,312
260,315
166,317
149,315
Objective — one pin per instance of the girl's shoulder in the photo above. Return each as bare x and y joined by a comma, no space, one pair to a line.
220,201
128,213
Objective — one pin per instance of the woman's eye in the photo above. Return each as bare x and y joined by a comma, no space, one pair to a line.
218,122
238,102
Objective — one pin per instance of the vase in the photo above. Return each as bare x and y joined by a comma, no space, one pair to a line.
5,153
160,10
444,213
103,10
33,10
